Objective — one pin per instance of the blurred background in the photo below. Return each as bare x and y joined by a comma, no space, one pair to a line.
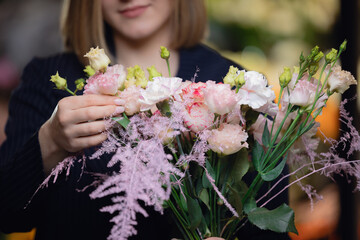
261,35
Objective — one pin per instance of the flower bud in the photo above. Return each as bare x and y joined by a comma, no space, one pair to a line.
318,56
59,81
240,79
98,59
165,54
343,46
313,68
285,77
89,70
153,73
136,75
314,51
80,83
231,76
331,56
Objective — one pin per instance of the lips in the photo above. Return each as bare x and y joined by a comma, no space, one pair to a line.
133,12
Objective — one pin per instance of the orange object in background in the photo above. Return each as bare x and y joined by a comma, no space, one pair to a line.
21,236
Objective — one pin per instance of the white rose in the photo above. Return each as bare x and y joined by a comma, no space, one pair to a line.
98,59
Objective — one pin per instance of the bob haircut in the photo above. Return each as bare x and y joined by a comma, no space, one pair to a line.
82,25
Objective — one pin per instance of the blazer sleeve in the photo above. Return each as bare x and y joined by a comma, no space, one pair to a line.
21,169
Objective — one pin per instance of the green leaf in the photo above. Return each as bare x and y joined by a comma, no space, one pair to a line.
195,214
204,197
211,171
241,165
258,152
266,136
123,121
250,205
275,172
280,219
235,200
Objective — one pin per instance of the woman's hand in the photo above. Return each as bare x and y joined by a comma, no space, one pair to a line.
76,123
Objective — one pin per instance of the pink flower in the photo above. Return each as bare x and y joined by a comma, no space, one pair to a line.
197,117
219,98
339,80
303,94
194,92
228,139
107,83
255,91
131,95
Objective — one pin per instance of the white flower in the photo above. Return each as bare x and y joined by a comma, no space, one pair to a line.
98,59
228,139
303,94
219,97
255,91
340,80
158,90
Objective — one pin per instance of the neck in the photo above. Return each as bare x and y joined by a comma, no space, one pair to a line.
146,52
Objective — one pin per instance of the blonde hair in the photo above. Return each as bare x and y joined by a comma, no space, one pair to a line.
82,25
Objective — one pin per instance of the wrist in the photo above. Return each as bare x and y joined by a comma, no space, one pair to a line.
51,152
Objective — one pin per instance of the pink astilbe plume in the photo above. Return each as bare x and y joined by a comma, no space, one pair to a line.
144,176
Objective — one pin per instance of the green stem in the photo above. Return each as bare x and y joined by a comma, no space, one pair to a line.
168,65
69,91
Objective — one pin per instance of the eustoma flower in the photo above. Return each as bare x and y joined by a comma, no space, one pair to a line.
303,94
219,98
131,95
255,91
98,59
339,80
228,139
160,89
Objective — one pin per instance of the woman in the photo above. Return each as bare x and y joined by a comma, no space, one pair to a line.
46,125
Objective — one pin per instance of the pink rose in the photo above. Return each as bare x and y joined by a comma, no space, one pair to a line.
228,139
197,117
219,98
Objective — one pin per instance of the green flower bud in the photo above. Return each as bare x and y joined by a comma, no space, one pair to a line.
89,70
136,76
343,46
231,76
240,79
80,83
318,56
314,51
313,68
296,69
59,81
165,54
331,56
285,77
153,73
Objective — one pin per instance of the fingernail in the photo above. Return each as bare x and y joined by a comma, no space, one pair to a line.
119,101
119,110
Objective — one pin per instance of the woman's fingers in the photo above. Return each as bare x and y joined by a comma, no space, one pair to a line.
94,112
83,101
80,143
86,129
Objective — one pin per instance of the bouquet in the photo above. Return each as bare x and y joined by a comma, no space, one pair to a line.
187,145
